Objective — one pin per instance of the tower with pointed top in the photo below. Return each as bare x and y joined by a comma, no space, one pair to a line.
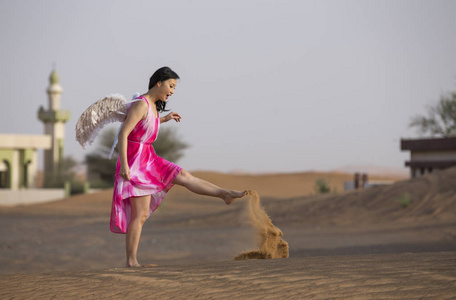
54,125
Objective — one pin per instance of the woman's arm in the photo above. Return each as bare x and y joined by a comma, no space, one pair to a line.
171,116
137,112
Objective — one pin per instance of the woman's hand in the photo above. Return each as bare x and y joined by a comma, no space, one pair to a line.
124,172
171,116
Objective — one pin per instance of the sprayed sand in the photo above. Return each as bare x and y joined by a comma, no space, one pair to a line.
268,237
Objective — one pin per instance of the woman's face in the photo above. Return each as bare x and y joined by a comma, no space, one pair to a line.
166,88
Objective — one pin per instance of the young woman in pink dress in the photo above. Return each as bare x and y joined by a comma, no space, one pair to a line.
142,177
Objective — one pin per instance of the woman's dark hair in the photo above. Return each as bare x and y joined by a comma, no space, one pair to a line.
162,74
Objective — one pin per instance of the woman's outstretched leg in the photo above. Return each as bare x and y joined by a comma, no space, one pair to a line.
139,214
203,187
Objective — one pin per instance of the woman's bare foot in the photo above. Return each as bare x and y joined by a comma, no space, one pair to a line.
229,196
134,264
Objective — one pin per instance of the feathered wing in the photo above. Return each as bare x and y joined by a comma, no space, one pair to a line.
112,108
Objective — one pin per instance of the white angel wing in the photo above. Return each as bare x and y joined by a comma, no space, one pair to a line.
112,108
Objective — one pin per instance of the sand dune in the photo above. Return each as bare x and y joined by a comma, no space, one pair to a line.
332,241
287,185
431,199
270,185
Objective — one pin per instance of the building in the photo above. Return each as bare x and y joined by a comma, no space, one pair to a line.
54,126
19,159
428,155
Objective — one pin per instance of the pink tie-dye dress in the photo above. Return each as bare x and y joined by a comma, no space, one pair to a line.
149,173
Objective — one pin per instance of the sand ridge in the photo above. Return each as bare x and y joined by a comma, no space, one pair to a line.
381,276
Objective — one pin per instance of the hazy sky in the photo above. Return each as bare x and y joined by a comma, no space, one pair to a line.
265,85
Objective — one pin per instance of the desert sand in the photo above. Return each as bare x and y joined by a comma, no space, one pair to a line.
396,242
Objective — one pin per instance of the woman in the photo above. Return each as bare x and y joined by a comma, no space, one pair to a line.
142,177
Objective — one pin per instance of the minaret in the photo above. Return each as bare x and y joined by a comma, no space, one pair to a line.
54,125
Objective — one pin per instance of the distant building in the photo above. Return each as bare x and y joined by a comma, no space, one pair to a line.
427,155
361,181
18,152
54,126
19,159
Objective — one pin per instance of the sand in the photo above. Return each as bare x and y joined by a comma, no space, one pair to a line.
268,237
358,244
381,276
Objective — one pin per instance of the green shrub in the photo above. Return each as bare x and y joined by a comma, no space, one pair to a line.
404,200
77,187
321,186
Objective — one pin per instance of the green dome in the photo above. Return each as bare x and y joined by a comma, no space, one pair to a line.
54,78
